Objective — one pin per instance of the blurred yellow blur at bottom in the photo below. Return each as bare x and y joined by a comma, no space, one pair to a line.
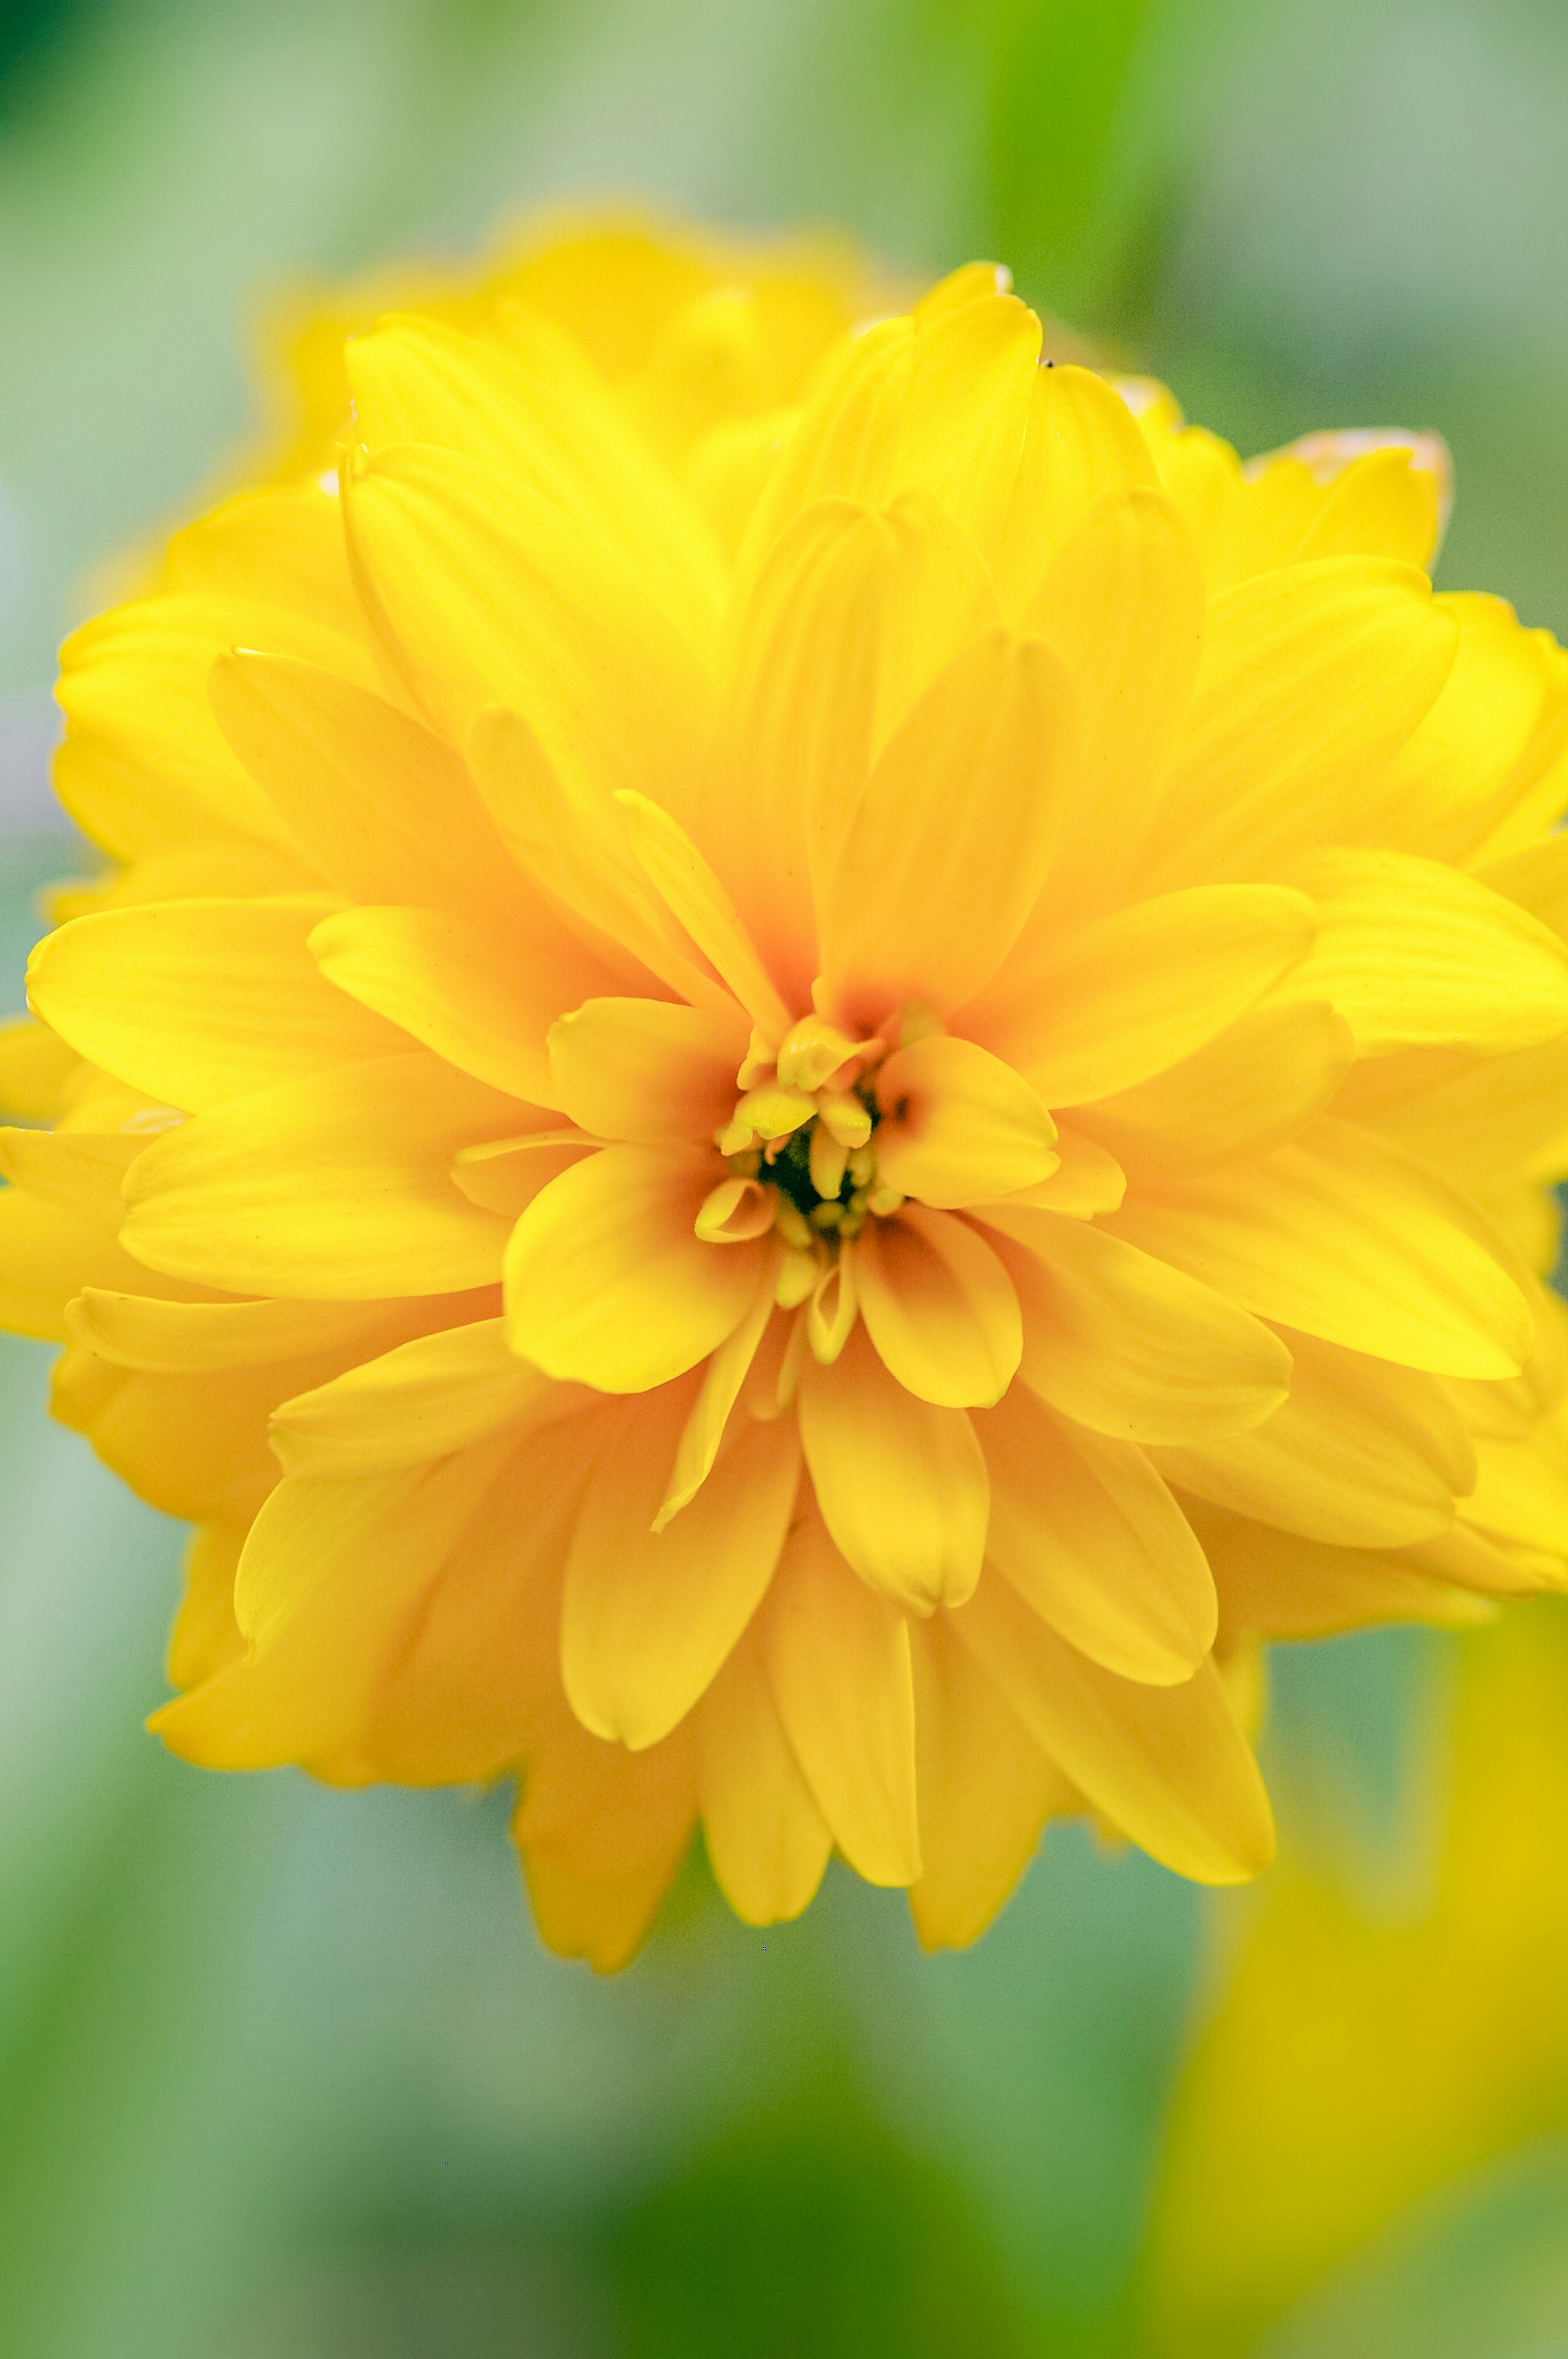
1363,2062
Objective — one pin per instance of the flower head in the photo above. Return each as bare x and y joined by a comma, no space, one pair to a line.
816,1061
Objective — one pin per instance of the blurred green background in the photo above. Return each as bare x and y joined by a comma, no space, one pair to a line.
284,2074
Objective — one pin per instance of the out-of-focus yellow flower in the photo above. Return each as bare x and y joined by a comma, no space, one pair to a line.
797,1084
1363,2058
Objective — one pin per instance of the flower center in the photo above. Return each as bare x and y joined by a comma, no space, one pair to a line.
801,1147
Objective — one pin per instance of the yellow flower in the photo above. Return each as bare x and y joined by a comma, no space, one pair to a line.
807,1074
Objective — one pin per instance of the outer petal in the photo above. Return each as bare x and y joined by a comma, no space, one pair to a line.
1104,1005
333,1188
330,1572
1252,1087
959,816
940,1309
837,1666
767,1840
197,1002
1168,1764
487,598
1130,1346
1088,1532
985,1788
1411,952
1339,1236
607,1282
648,1617
1362,1456
1314,677
385,809
476,997
1123,606
421,1400
601,1832
551,431
902,1485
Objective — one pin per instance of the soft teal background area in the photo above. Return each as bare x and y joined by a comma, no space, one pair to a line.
284,2074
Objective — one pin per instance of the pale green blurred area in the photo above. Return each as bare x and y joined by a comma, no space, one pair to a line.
284,2074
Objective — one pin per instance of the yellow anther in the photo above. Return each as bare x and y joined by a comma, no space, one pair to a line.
883,1200
830,1319
826,1216
793,1225
736,1139
759,1061
812,1051
863,1166
828,1158
848,1120
798,1273
735,1211
773,1112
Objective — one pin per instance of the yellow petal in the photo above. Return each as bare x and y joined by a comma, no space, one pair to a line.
959,814
939,1307
205,1638
174,1338
59,1225
1313,678
147,763
1479,776
329,1574
985,1788
1342,1237
971,391
722,1378
550,430
767,1840
1273,1584
479,998
607,1282
437,1394
1086,1531
794,746
1122,603
959,1126
574,837
1106,1005
1087,1182
473,1683
647,1070
192,1446
197,1002
1253,1086
1361,1455
837,1666
696,900
334,1187
1521,1492
595,1897
385,809
485,598
1382,505
1411,952
1170,1764
1081,443
1130,1345
902,1484
648,1617
281,549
